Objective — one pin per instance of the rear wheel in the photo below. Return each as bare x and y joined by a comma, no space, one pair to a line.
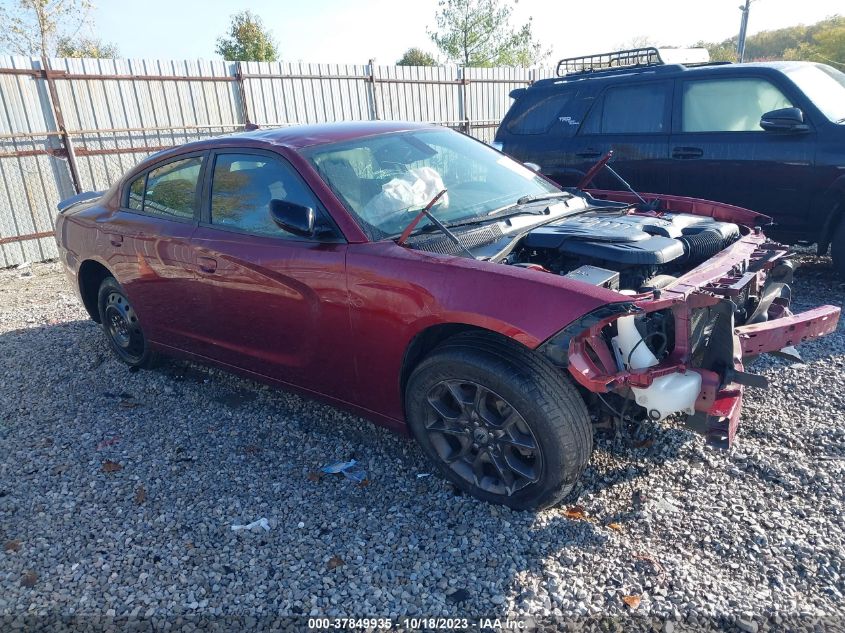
499,421
838,248
122,327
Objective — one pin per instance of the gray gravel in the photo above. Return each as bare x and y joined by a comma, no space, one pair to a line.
692,531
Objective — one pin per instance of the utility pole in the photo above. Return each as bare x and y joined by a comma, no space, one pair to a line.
743,28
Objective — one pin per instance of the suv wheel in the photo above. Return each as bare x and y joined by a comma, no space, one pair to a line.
499,421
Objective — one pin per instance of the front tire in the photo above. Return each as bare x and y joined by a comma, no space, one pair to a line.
499,421
122,326
837,249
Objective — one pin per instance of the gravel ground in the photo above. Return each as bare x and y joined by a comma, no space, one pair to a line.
118,491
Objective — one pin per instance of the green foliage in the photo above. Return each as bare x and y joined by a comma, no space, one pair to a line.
823,41
417,57
248,40
34,27
85,47
478,33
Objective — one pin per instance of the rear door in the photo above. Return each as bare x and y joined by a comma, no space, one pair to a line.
273,303
150,239
720,152
633,120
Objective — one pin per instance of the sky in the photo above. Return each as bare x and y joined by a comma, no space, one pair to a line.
353,31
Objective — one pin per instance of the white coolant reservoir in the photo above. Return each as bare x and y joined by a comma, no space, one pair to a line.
674,393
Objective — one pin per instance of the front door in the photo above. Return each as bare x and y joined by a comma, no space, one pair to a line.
274,303
720,152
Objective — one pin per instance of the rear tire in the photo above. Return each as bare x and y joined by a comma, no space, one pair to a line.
837,249
122,326
499,421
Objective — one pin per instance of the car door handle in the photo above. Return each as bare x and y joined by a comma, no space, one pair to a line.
116,239
207,264
687,152
589,153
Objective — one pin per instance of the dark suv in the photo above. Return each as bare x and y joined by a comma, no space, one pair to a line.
766,136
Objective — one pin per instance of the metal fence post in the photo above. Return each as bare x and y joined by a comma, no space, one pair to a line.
49,76
239,77
371,81
463,113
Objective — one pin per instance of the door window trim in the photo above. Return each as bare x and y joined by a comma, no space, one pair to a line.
205,207
127,186
598,107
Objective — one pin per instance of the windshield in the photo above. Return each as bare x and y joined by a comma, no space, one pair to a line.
823,85
385,180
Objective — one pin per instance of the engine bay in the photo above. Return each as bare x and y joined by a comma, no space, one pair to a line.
593,241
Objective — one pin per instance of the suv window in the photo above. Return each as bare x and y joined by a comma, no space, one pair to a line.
729,105
171,190
635,109
538,116
242,187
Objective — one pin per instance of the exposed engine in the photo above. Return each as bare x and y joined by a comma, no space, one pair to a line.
594,241
642,249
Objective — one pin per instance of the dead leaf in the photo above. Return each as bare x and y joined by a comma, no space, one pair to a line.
12,546
632,601
315,476
252,449
576,513
109,441
29,579
129,404
646,443
140,495
334,562
111,467
615,526
364,483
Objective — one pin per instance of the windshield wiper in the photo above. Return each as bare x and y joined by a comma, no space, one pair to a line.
543,196
425,211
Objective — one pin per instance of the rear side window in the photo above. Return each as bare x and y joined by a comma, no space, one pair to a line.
243,186
538,115
729,105
171,189
635,109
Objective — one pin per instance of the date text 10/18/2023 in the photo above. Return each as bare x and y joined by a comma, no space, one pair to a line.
417,623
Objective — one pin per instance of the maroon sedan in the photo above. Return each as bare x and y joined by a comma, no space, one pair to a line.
430,283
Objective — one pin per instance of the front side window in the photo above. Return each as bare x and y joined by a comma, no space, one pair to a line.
171,190
136,193
385,180
242,187
729,105
636,109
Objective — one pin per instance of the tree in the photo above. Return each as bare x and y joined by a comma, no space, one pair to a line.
417,57
33,27
248,40
822,42
478,33
85,47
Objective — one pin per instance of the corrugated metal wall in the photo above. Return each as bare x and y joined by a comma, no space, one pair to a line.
84,122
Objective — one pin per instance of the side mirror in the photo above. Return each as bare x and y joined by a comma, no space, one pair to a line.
294,218
784,120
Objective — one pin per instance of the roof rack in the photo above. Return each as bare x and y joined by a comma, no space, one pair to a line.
630,58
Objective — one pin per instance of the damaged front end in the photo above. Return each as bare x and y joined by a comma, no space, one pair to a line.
681,348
